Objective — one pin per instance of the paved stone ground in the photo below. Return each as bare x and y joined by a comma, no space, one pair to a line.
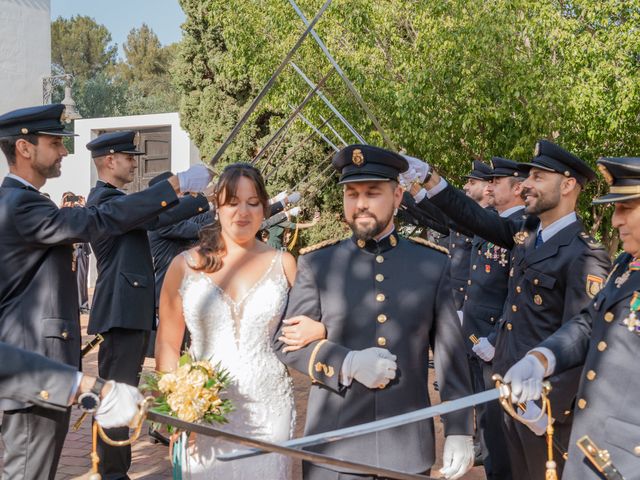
151,461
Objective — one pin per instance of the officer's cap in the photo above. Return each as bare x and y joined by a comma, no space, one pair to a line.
113,142
480,171
623,176
549,156
503,167
40,120
365,163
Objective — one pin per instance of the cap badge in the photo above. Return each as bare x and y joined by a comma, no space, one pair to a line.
605,173
357,157
536,150
24,131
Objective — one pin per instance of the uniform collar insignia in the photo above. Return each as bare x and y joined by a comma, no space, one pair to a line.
520,237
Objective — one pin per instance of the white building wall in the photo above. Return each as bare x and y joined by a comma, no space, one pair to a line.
25,55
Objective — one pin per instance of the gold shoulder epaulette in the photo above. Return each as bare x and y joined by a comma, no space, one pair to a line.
318,246
429,244
591,242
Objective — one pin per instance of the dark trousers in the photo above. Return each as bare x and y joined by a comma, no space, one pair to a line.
33,438
120,358
528,451
315,472
490,424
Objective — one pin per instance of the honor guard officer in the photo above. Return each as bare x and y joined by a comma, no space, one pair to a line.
484,302
384,301
556,270
604,341
123,308
38,292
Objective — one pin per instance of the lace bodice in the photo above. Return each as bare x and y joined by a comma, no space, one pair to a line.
237,334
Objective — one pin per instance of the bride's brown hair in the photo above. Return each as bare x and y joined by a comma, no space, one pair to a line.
211,247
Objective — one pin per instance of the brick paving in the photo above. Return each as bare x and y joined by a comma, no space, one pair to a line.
151,461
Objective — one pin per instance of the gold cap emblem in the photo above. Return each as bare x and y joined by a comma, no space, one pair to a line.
536,150
24,130
605,173
357,157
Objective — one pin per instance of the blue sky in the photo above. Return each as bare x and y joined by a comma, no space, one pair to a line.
120,16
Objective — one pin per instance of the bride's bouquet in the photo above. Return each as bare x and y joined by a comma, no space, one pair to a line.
192,393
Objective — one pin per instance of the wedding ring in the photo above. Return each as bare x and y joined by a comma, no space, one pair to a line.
381,386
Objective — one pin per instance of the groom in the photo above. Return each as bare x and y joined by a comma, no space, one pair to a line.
384,301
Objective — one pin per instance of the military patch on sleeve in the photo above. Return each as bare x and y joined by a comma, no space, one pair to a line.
594,285
318,246
429,244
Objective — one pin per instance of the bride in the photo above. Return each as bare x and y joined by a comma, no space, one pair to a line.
230,292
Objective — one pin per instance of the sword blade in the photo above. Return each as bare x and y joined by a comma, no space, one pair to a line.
276,448
378,425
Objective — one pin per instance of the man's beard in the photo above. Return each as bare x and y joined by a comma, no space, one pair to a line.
370,231
48,171
543,204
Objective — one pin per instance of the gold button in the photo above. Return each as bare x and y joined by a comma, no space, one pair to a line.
381,386
536,281
135,284
567,412
163,203
462,289
475,267
468,282
582,404
44,395
636,450
608,317
379,259
492,319
64,335
200,209
514,308
518,289
602,346
382,318
380,277
591,375
380,297
382,341
509,327
466,298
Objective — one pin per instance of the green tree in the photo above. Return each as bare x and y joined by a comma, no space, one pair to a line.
81,47
450,80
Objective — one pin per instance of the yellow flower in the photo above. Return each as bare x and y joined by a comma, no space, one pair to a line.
167,383
189,413
205,365
183,371
196,378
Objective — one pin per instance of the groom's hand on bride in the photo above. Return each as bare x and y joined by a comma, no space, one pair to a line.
373,367
300,331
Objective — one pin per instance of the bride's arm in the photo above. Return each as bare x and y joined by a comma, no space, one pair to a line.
171,325
301,330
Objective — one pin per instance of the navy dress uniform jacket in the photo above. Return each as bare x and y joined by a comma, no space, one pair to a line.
547,285
394,295
125,290
38,294
32,378
487,287
609,388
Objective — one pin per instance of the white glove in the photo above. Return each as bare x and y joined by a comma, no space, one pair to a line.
532,412
294,212
294,197
279,197
373,367
525,378
420,167
484,349
119,407
457,457
195,178
408,177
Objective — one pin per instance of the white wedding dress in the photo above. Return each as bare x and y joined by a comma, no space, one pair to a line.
238,335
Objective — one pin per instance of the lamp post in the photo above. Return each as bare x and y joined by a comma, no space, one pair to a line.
70,111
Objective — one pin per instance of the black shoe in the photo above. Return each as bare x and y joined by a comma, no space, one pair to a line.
158,437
